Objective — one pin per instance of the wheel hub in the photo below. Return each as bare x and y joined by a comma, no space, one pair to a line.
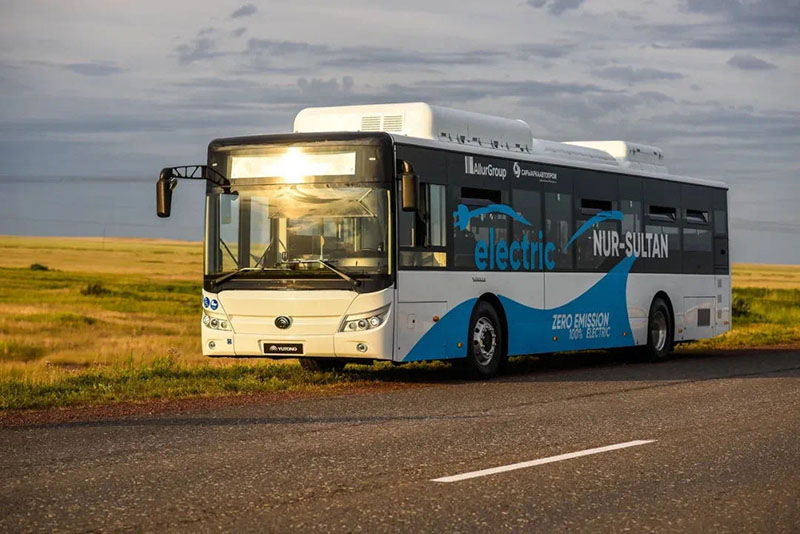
484,340
658,331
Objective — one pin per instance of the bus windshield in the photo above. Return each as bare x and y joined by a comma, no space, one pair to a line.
283,230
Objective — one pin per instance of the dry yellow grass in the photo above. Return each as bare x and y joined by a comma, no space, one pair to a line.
157,259
766,276
150,307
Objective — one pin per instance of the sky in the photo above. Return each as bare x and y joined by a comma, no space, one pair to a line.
102,89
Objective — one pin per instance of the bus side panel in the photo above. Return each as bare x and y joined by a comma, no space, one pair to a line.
692,298
420,337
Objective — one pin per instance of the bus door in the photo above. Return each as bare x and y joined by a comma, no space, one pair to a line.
421,293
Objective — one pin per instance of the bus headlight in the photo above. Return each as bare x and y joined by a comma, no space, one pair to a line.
215,323
364,321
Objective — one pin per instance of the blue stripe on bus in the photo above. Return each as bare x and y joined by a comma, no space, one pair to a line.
598,318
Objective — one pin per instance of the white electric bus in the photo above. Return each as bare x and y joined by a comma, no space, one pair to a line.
410,232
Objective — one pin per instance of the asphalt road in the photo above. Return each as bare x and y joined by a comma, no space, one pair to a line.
725,457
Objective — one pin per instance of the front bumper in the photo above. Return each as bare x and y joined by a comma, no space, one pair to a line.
377,341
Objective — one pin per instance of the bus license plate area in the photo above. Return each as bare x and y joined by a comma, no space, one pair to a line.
273,349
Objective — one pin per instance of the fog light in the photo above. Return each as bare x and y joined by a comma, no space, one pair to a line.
211,344
361,347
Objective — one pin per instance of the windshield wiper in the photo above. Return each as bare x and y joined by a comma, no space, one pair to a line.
237,272
346,276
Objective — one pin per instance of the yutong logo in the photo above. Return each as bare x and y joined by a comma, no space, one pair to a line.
478,168
283,322
283,348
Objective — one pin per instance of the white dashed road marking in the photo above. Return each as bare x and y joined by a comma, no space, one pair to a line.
541,461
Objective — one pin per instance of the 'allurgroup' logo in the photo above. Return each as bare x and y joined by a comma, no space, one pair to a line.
477,168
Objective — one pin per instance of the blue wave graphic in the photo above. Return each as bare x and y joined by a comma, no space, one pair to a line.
463,214
600,217
602,311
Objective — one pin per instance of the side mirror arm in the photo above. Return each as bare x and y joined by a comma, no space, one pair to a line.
168,180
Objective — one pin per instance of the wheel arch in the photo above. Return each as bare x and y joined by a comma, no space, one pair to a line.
492,299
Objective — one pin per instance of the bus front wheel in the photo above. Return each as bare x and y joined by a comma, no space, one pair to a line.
659,331
486,342
322,364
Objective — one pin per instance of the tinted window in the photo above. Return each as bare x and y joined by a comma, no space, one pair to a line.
659,247
558,228
698,241
487,227
529,205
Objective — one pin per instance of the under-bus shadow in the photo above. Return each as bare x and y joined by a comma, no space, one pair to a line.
624,365
630,366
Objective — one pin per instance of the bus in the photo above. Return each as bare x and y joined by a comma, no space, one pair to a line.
411,232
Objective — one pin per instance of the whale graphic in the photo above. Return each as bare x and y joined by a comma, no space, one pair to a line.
463,214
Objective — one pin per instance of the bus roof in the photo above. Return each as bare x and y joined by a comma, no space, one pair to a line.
439,127
554,159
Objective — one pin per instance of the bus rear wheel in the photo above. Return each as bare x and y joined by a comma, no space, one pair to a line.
486,347
322,364
659,331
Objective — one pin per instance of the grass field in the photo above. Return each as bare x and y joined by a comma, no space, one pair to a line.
91,320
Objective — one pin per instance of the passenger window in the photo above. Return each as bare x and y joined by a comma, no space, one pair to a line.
473,223
696,216
558,228
631,216
529,205
697,240
720,222
592,207
592,254
663,214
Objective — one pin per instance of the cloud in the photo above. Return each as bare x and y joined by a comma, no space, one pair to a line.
749,62
246,10
365,56
282,48
378,56
556,7
757,13
238,32
201,47
543,50
733,24
632,75
93,68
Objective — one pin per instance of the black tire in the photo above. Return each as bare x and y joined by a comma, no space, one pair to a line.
486,343
322,364
660,332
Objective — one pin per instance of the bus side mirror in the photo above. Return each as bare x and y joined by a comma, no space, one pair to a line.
164,186
409,185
